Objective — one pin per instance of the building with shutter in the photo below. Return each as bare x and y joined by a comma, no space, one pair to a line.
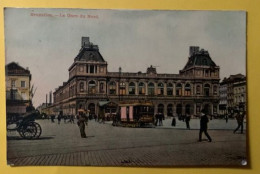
18,84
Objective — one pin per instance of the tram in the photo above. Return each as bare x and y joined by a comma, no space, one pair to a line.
136,114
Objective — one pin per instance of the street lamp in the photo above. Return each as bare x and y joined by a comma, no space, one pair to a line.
120,70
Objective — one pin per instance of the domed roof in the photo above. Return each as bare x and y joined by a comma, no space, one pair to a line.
200,58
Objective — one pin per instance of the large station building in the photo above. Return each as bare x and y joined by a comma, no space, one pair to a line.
89,84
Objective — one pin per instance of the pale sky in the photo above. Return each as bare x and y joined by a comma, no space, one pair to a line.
133,40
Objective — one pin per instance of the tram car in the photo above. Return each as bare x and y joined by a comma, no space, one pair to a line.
136,114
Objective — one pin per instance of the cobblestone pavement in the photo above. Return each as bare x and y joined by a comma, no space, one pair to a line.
106,145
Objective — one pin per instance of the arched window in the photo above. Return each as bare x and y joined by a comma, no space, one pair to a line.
160,108
150,89
101,88
198,90
179,109
131,88
160,89
187,90
178,89
141,88
170,110
112,88
187,109
215,90
207,108
122,88
91,87
81,87
206,89
169,89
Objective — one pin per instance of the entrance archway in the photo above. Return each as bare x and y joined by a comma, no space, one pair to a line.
179,109
187,109
207,108
160,108
91,108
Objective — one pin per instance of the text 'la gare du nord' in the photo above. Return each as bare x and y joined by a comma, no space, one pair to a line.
68,15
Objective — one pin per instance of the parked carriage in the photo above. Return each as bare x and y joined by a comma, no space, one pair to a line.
25,125
136,114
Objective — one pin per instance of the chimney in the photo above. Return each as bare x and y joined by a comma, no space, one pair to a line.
194,49
46,100
50,98
85,41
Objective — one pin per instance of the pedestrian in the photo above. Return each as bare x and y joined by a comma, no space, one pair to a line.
72,119
59,117
204,125
156,119
226,117
81,123
95,117
161,118
87,113
52,118
65,118
173,121
187,120
240,119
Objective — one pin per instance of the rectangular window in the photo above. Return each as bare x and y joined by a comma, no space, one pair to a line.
91,69
13,83
23,84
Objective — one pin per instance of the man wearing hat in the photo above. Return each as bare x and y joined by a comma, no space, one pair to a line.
204,125
82,120
239,115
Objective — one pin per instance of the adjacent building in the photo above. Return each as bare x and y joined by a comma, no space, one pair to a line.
233,93
195,87
18,84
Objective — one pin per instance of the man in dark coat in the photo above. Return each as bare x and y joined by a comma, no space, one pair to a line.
81,123
204,126
187,120
240,119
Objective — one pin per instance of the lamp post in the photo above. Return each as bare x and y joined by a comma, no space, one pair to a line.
119,70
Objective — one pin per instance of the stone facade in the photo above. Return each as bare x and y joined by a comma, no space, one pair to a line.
233,92
195,87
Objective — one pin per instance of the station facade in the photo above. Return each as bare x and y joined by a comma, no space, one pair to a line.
196,86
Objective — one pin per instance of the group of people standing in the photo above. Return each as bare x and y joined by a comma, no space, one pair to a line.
159,117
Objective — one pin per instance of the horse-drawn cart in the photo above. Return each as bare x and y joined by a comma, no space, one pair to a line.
25,125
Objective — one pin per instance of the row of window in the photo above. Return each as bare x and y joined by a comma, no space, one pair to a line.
22,84
180,109
141,89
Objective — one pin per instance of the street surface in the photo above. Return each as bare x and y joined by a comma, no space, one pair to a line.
106,145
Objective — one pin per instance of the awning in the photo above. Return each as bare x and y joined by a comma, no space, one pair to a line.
107,103
103,103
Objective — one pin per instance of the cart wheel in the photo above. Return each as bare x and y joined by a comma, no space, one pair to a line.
38,130
28,131
20,131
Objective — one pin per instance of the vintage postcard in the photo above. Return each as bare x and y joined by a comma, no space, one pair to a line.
125,87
